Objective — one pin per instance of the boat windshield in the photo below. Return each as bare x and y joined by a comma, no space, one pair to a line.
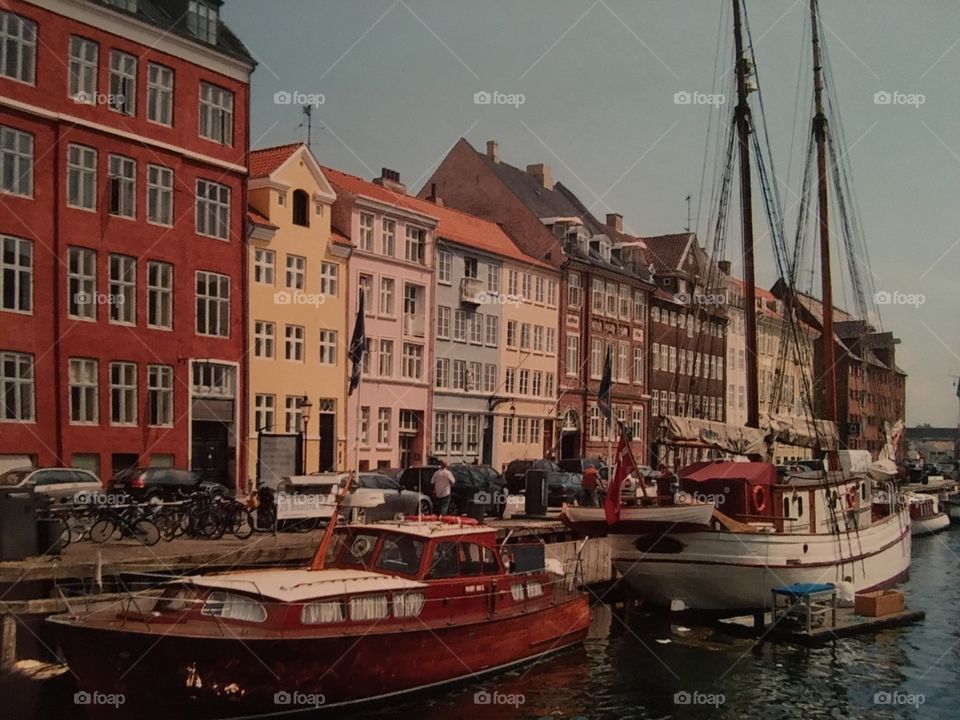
397,553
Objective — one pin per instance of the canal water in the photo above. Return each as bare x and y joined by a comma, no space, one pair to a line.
624,672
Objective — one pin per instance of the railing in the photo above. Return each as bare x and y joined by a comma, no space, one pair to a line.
414,325
471,290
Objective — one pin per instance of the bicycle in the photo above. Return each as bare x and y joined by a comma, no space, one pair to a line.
128,521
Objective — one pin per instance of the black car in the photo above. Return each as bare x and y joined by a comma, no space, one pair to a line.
578,465
162,483
474,485
515,474
563,487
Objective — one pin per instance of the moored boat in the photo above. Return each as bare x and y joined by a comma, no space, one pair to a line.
397,607
926,514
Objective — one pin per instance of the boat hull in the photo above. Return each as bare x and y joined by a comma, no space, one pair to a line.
930,525
235,675
733,571
592,521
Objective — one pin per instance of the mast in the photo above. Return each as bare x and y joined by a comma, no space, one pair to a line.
746,218
820,135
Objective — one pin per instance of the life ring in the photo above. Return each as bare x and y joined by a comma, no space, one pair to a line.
759,498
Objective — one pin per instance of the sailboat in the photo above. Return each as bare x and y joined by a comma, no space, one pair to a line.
769,526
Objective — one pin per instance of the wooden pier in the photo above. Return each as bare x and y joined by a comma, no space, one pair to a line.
848,623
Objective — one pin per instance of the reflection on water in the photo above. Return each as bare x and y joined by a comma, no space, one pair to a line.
623,672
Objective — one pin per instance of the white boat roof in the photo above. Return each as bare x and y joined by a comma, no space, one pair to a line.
428,528
302,584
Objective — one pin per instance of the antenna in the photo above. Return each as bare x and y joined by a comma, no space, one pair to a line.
308,111
687,228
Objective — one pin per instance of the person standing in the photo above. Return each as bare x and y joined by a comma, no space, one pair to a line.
442,482
588,487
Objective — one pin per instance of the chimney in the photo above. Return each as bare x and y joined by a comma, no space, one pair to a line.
390,179
724,266
615,221
432,197
493,150
542,173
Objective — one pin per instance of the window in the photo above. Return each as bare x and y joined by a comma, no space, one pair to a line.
611,298
320,613
574,291
16,274
513,284
508,430
216,114
412,361
123,83
509,385
263,415
385,369
537,388
263,264
489,377
388,240
213,380
492,330
387,294
366,232
17,387
159,94
456,433
213,210
329,279
264,333
524,382
538,338
459,375
202,21
476,328
471,267
639,308
365,426
522,430
123,289
16,161
81,283
511,333
159,294
292,415
296,272
493,279
459,326
416,238
475,377
213,304
83,70
301,208
383,426
552,293
440,432
328,347
551,341
443,322
122,178
444,267
548,386
525,286
573,355
535,430
123,393
638,362
538,289
366,286
18,47
159,195
83,391
293,342
525,336
81,177
594,422
443,373
596,359
159,395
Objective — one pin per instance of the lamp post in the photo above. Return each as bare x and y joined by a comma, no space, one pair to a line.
304,406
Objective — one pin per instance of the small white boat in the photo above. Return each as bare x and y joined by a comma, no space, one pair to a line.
926,515
592,521
951,506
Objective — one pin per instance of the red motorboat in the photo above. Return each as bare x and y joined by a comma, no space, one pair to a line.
396,607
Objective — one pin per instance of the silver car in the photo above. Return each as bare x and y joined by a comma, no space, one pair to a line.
57,483
396,500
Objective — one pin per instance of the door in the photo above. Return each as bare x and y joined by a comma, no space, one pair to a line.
406,450
327,432
211,451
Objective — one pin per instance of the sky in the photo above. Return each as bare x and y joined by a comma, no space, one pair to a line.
597,90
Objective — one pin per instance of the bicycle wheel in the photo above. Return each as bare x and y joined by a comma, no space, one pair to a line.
212,524
242,524
102,530
146,531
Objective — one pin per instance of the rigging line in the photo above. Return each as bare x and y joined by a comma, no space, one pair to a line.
706,142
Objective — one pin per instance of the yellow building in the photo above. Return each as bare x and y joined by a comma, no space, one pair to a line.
297,275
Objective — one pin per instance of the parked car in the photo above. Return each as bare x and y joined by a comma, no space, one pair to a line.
162,483
578,465
55,483
396,500
948,469
563,487
516,472
474,485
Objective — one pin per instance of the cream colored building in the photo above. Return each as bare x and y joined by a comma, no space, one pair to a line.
297,282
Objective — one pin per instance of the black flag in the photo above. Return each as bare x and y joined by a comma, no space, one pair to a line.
604,396
358,344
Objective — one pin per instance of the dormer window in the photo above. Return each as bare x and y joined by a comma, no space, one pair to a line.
202,20
301,208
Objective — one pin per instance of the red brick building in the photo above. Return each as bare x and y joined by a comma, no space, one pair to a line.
123,155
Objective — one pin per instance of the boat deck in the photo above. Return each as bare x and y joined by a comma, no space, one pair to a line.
848,623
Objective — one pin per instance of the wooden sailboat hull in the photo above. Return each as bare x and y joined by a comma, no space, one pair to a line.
735,571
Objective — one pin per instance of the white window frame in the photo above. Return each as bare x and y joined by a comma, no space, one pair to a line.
264,266
213,209
160,94
83,70
264,339
159,195
216,304
444,267
21,33
84,391
293,341
215,121
159,396
159,295
16,155
122,174
81,283
328,347
81,177
123,83
21,270
122,284
123,393
329,279
17,382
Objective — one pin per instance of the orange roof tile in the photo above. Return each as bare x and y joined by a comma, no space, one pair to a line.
453,225
266,160
257,217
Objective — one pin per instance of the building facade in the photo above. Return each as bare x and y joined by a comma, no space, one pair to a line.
297,270
392,261
123,148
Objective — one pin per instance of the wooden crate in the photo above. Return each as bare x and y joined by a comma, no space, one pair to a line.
878,603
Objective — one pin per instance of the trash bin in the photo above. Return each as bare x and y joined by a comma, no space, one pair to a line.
476,510
535,501
50,535
18,525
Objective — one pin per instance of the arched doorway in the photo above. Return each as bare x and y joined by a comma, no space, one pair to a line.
570,431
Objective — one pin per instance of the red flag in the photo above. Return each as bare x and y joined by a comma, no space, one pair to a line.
625,465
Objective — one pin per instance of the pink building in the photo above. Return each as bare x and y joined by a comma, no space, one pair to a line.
392,260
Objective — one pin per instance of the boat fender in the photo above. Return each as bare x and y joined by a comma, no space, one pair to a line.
759,498
425,518
457,520
852,497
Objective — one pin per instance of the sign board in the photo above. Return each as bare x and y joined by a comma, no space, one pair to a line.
278,455
305,505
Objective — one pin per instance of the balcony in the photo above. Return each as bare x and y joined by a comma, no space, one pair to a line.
414,325
471,291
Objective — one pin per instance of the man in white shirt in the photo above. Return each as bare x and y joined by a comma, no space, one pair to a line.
442,482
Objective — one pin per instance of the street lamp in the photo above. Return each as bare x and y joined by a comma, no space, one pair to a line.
304,406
